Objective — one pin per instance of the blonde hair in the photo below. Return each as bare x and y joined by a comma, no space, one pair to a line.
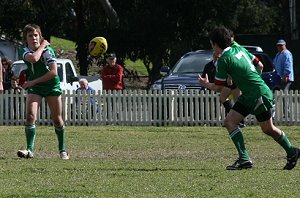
30,28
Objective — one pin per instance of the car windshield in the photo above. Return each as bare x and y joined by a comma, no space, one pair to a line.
266,61
193,63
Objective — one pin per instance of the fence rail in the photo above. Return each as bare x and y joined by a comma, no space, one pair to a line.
142,107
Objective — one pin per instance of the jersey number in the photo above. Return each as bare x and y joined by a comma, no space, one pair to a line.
241,54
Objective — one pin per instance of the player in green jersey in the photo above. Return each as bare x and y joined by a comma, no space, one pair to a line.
43,82
256,97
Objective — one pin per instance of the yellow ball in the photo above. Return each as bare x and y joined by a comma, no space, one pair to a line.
97,46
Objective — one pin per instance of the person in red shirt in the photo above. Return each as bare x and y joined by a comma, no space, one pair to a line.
23,77
112,74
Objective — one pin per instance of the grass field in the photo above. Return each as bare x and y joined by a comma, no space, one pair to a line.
62,44
125,161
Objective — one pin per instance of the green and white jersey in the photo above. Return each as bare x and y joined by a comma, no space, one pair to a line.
41,67
237,62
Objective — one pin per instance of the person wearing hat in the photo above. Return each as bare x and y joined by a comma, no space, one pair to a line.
112,73
283,62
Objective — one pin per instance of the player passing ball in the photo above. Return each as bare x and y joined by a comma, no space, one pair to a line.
43,82
256,97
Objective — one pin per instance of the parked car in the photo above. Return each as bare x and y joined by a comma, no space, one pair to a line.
252,48
184,74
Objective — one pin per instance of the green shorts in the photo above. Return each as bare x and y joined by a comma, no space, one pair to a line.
45,91
257,104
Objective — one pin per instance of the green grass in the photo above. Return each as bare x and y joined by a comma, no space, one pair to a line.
62,44
137,66
125,161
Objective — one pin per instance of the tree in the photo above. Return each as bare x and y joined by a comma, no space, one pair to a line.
91,21
157,32
160,36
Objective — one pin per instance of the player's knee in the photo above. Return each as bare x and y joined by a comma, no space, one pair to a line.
30,118
270,130
222,99
228,124
58,122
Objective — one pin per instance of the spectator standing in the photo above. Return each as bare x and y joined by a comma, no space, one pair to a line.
283,62
7,72
112,74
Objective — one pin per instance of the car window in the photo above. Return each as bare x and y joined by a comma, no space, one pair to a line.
69,73
59,71
266,61
193,63
17,68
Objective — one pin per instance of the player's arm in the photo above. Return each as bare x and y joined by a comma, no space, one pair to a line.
52,70
288,66
35,56
259,66
48,76
212,86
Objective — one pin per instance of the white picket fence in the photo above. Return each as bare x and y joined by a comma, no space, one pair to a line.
142,107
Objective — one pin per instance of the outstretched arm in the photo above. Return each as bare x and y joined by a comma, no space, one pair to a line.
212,86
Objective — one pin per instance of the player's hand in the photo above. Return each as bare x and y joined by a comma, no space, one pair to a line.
285,79
229,80
27,84
45,43
203,81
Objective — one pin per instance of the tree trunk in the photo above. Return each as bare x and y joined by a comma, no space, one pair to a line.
110,13
81,43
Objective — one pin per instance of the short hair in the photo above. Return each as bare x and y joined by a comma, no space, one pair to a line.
31,28
222,36
83,80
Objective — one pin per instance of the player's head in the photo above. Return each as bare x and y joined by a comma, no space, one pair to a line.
32,30
221,36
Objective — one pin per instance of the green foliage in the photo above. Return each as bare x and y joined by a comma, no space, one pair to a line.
129,161
156,32
137,65
62,44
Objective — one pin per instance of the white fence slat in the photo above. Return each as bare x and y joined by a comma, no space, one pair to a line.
142,107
